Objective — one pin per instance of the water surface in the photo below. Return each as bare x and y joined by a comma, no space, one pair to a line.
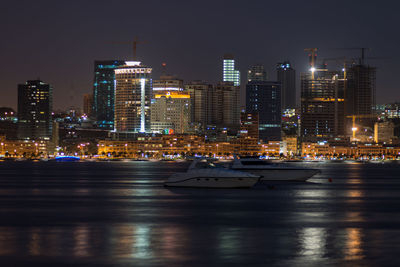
119,214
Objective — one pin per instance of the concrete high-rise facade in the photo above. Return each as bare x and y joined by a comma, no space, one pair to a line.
249,125
171,108
167,84
286,75
225,111
322,104
201,101
361,90
256,73
103,92
133,92
35,99
88,104
264,98
230,74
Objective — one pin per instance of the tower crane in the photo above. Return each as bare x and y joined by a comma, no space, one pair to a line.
312,58
362,116
134,44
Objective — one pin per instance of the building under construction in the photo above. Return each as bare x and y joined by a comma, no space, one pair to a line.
322,104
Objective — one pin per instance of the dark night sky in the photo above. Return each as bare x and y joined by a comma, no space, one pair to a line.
59,40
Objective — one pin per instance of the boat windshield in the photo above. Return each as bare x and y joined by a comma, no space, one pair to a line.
208,165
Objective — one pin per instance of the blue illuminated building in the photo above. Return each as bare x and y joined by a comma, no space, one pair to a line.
264,98
103,92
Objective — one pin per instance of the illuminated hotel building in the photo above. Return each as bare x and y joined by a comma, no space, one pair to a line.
103,92
34,110
133,91
171,109
322,104
230,74
170,106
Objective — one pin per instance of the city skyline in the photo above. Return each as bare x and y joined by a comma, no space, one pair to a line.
65,52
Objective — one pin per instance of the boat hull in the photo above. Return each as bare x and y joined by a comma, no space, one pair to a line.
282,174
209,182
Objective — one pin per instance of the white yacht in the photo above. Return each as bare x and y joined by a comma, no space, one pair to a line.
272,171
206,174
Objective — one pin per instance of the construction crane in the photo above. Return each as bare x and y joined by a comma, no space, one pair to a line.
363,116
134,43
312,58
361,59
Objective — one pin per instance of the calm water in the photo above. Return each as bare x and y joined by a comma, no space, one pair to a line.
119,214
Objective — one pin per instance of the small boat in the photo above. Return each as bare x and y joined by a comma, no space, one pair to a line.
207,174
67,159
270,171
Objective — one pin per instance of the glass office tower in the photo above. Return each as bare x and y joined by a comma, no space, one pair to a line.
103,92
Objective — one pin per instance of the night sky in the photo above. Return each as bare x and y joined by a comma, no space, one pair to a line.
59,40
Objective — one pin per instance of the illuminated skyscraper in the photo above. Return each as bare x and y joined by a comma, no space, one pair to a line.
103,92
286,75
230,74
133,92
34,110
171,108
256,73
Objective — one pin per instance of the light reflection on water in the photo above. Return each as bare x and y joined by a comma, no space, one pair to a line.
130,216
312,242
354,249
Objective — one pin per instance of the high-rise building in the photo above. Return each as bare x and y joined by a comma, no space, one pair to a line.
103,92
200,97
88,104
249,125
230,74
167,84
286,75
225,111
256,73
133,92
172,108
170,105
264,97
322,104
35,100
361,90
